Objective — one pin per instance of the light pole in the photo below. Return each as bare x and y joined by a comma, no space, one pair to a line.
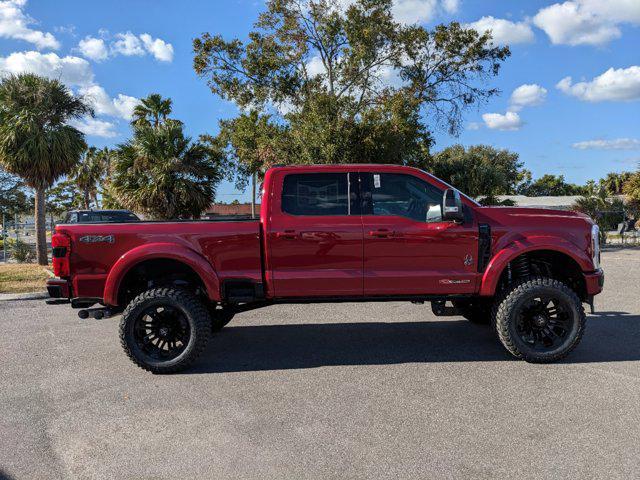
253,195
4,239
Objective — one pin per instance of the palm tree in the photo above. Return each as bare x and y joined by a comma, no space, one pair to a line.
152,110
614,182
163,174
36,143
88,174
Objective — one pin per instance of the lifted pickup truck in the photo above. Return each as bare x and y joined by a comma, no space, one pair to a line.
336,233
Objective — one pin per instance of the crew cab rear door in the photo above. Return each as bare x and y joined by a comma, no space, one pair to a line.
408,248
314,235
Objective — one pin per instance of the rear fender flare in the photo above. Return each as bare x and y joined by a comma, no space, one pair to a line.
501,259
152,251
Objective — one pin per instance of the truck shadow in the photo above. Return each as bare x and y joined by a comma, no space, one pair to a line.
609,337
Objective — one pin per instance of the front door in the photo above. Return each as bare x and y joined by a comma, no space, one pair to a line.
315,236
408,248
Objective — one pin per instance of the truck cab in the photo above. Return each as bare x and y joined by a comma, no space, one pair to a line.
335,233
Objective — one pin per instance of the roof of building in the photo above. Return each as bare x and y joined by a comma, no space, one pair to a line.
230,209
541,202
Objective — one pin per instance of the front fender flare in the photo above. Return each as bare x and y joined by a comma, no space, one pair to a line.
173,251
501,259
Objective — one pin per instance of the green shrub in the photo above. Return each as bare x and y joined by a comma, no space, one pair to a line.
23,252
9,241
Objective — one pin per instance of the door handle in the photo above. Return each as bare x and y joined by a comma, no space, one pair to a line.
287,234
381,233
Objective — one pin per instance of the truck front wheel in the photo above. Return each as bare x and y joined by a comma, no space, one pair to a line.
164,330
539,320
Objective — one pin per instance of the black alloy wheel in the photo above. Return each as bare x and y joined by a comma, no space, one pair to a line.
545,322
162,332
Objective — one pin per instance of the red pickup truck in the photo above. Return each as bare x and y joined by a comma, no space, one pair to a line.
336,233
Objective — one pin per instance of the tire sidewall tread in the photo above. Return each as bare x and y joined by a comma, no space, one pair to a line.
195,312
503,310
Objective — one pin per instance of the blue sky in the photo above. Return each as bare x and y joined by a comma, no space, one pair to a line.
582,127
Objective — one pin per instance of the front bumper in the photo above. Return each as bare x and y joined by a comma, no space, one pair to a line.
594,282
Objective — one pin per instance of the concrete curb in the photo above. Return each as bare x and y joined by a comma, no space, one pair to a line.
5,297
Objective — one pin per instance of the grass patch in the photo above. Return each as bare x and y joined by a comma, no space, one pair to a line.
22,278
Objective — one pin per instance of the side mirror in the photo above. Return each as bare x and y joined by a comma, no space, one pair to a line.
452,206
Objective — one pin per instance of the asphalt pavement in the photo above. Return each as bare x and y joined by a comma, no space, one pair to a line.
342,391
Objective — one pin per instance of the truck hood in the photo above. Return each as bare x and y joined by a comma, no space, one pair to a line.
530,213
513,224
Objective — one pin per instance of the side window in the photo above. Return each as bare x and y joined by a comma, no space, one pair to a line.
404,196
88,217
316,194
72,218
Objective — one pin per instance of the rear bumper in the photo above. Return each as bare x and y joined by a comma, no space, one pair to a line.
594,282
58,288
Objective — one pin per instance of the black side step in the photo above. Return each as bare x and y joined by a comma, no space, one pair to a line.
242,291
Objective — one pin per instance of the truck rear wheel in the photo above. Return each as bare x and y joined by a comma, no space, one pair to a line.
540,320
164,330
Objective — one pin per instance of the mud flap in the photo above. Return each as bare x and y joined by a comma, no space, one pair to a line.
440,309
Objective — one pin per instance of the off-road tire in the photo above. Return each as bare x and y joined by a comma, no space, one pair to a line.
505,314
193,311
476,311
220,317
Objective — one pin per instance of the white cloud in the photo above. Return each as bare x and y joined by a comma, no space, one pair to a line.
95,127
77,74
127,44
498,121
315,66
474,126
586,22
616,144
72,71
414,11
14,23
613,85
504,32
527,95
450,6
160,49
122,106
93,48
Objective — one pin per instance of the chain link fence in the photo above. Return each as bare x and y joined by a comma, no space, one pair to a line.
18,241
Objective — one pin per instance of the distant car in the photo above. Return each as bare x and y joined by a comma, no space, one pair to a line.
101,216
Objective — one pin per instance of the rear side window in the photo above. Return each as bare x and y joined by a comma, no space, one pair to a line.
316,194
403,196
118,217
88,217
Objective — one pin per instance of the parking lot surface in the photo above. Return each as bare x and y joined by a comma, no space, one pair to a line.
339,391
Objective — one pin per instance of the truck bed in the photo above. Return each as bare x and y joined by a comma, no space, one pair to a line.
231,247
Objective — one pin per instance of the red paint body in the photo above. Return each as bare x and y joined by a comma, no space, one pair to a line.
329,256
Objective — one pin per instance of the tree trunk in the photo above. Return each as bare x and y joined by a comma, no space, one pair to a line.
41,233
87,199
